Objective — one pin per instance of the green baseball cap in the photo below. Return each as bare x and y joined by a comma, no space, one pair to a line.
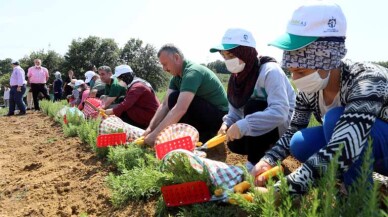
290,42
223,47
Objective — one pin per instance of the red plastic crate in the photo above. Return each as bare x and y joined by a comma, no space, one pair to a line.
111,139
181,143
186,193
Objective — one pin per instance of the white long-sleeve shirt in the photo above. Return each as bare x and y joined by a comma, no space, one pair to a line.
274,87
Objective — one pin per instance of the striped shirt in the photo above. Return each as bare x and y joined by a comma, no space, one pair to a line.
363,93
37,75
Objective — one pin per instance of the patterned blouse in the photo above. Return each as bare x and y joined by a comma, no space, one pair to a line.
364,94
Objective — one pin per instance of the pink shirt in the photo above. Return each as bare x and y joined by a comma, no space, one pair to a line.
37,75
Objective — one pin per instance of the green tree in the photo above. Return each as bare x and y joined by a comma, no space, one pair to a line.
4,80
91,51
144,62
384,64
218,66
5,66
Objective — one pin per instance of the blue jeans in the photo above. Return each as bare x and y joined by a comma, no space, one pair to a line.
16,98
308,141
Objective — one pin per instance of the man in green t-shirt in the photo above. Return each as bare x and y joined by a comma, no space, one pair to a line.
195,96
114,91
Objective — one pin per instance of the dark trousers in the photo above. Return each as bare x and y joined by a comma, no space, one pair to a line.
57,96
254,146
202,115
36,89
16,98
124,117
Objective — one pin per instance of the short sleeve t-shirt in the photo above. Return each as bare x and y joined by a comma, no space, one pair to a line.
100,87
202,82
115,90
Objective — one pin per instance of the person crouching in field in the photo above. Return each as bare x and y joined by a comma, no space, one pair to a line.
140,102
350,99
83,90
97,87
75,97
67,88
261,98
114,91
195,96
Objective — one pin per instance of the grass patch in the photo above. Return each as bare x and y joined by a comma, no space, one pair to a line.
3,111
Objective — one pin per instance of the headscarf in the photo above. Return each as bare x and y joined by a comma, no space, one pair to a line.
127,77
241,85
58,75
325,53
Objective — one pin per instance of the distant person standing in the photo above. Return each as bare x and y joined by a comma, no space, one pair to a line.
37,77
6,96
57,86
18,87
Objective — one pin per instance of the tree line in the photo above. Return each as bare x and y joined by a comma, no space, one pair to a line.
86,52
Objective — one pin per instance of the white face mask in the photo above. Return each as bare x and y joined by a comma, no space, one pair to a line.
234,66
311,83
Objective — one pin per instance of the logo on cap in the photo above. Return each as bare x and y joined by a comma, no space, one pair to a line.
332,22
245,36
298,22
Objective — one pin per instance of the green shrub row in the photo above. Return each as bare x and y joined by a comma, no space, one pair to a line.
138,177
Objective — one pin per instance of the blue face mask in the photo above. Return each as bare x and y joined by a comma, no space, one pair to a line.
91,83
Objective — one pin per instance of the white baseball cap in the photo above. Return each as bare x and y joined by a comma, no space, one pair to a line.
233,38
122,69
312,20
72,82
89,75
78,83
57,73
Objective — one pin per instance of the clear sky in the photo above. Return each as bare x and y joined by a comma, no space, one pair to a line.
194,26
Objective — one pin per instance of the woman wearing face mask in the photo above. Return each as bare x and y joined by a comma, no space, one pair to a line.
261,98
140,102
349,99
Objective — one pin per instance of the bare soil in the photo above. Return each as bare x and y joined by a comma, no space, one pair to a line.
42,173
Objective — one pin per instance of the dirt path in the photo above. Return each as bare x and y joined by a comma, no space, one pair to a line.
42,173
